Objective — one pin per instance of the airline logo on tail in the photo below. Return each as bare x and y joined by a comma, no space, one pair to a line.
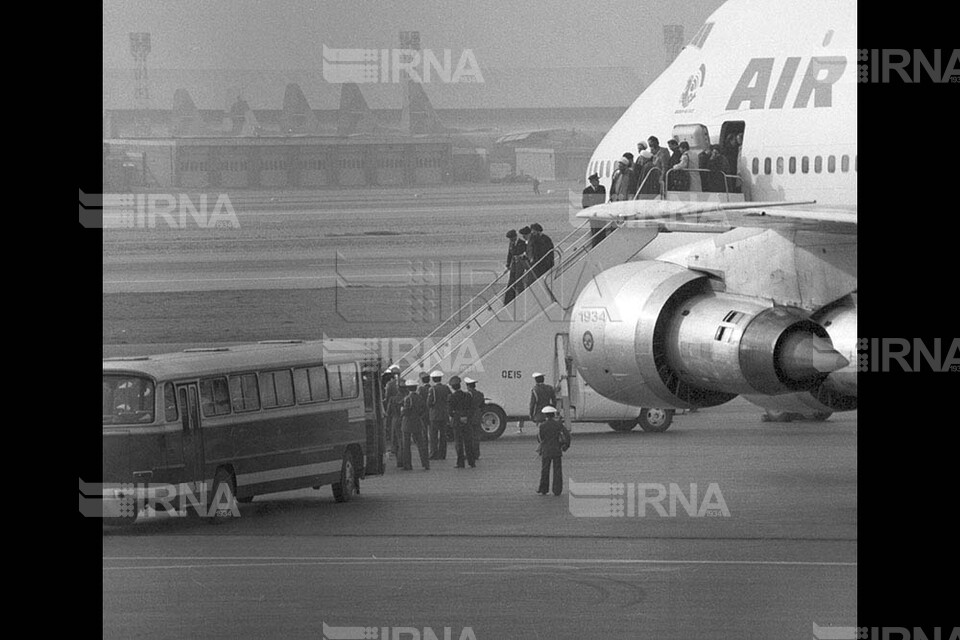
694,82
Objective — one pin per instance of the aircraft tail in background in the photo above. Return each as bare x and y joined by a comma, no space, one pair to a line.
241,121
186,117
297,116
418,115
354,116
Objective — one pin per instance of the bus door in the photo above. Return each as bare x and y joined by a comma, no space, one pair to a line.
373,409
192,435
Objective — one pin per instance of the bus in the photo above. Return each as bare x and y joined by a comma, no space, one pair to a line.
242,420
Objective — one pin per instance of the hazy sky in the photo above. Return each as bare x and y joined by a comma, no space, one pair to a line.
289,34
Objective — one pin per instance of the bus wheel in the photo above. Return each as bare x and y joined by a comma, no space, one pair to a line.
622,425
493,422
655,420
222,505
344,490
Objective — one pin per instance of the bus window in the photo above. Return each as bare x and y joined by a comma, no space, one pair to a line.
127,400
348,380
244,393
276,388
214,397
343,381
170,403
311,385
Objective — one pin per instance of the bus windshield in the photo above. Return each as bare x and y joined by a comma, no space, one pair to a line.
128,399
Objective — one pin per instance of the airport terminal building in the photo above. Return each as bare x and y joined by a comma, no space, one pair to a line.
275,161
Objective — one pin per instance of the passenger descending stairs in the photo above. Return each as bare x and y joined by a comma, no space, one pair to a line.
537,314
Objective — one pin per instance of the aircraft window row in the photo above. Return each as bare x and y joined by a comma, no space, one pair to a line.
270,389
804,164
351,163
317,164
233,165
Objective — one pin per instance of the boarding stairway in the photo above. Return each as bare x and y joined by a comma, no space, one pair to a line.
538,312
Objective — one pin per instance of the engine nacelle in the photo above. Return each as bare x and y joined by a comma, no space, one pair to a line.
656,334
839,390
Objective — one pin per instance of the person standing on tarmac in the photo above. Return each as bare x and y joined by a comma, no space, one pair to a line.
460,406
392,399
413,410
476,410
438,405
554,439
541,396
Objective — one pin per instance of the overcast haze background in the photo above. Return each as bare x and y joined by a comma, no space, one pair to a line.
533,54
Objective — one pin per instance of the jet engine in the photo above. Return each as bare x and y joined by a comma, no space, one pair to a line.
656,334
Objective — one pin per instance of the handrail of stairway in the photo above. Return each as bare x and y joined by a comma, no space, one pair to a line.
486,306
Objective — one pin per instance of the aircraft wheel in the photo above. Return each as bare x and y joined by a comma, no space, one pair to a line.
493,422
655,420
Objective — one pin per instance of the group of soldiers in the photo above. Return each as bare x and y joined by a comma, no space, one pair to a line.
427,413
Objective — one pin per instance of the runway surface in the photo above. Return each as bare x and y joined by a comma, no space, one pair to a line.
477,548
345,263
465,549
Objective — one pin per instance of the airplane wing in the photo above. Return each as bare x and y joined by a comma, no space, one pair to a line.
712,217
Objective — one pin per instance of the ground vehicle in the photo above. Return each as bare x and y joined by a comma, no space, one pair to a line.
258,418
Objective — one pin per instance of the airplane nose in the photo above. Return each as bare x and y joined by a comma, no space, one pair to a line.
805,357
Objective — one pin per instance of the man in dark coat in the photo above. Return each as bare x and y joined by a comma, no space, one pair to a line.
516,255
476,410
412,412
542,395
460,407
594,193
392,400
551,437
439,408
542,250
719,168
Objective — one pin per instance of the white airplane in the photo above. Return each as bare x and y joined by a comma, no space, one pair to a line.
765,306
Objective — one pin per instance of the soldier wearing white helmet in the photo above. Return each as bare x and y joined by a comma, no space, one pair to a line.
554,439
460,406
392,399
541,396
438,405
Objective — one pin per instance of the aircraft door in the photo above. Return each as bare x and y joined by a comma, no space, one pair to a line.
565,374
731,142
